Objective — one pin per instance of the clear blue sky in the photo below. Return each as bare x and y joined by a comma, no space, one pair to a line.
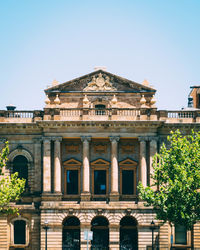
43,40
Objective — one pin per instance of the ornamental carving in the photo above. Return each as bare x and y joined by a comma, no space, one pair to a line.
100,148
72,148
100,83
127,149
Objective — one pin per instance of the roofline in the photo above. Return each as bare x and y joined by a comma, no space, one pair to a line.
99,71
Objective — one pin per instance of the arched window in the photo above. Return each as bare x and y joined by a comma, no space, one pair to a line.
128,233
71,233
100,233
20,165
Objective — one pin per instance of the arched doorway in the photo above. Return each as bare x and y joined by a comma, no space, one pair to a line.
100,233
128,233
20,165
71,234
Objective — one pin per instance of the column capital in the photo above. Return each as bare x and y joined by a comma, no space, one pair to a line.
153,138
86,138
114,138
143,138
37,140
46,138
57,138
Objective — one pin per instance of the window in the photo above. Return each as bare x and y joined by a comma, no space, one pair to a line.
20,232
20,165
128,178
100,178
72,178
100,109
127,181
180,235
99,181
72,181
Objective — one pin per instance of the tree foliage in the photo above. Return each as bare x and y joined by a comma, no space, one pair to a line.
175,194
11,187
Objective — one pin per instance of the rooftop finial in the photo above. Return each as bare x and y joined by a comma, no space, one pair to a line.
100,68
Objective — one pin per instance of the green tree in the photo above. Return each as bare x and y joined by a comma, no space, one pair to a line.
175,193
11,187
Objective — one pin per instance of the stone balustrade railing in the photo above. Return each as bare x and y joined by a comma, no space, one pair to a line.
115,114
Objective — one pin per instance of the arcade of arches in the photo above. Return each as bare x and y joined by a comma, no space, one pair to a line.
100,227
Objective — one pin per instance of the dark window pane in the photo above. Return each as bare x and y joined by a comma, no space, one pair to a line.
180,235
127,182
100,182
20,165
100,109
19,232
72,181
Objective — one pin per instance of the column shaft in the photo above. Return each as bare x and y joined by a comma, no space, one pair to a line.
37,165
114,167
57,166
86,166
47,165
153,151
143,162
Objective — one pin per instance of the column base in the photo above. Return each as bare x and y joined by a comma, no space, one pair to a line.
114,196
85,196
52,196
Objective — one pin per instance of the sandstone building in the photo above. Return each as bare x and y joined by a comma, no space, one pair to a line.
82,157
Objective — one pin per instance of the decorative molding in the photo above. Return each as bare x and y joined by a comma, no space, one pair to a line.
142,138
127,148
100,83
114,138
57,138
128,162
72,148
72,162
17,152
86,138
100,148
100,162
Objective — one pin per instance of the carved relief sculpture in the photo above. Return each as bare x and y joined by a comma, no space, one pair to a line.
72,148
100,84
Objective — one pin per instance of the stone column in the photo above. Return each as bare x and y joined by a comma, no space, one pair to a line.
37,164
85,195
143,161
46,165
114,194
57,165
153,151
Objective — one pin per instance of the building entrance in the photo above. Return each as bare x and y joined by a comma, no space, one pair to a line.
100,233
128,234
71,234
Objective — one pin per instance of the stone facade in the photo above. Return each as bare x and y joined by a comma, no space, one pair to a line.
96,133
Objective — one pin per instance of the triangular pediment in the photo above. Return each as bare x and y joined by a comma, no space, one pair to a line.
100,162
100,81
72,162
128,162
